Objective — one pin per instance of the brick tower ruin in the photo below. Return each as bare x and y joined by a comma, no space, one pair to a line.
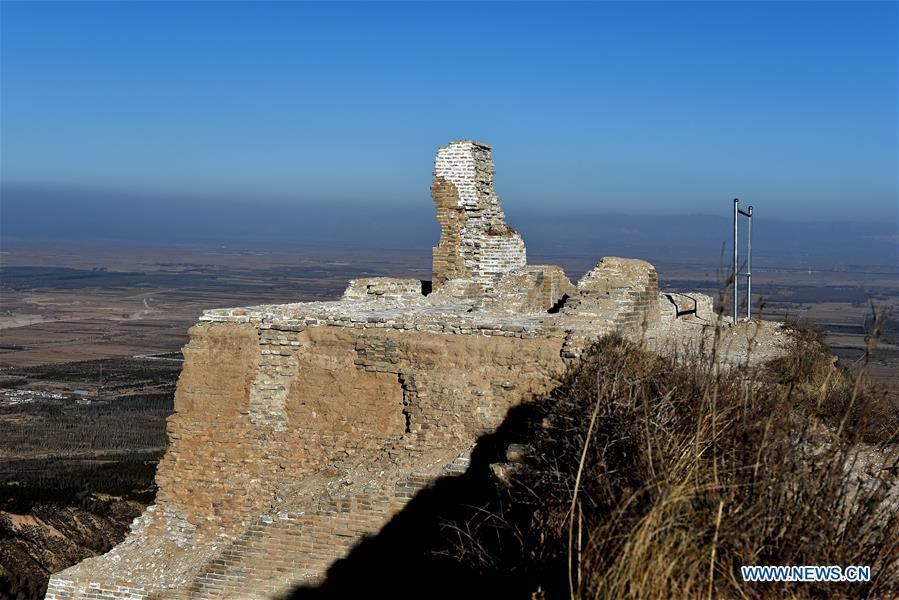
475,242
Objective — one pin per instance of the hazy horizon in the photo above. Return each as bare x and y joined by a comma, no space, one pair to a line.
638,108
145,219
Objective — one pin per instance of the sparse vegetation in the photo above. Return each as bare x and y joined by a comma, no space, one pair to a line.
54,513
653,477
77,471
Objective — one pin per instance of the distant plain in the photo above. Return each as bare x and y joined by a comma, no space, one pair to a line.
88,300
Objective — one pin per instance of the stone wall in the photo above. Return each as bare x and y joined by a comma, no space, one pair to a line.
276,477
688,306
625,288
385,288
534,288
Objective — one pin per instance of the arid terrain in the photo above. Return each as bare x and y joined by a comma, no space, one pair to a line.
81,443
90,339
90,345
59,305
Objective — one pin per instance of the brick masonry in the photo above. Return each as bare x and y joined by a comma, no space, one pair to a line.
300,428
475,242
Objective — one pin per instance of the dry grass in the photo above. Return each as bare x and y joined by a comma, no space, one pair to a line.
815,383
653,477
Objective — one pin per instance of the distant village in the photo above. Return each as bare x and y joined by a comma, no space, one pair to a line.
12,397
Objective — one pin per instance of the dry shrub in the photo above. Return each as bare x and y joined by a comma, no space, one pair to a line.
815,383
654,477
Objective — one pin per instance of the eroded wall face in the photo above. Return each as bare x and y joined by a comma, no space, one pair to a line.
300,428
253,406
289,444
448,261
475,241
202,473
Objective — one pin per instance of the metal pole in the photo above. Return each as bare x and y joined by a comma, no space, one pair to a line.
749,271
736,256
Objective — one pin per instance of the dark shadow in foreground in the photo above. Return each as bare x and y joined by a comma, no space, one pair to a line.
447,542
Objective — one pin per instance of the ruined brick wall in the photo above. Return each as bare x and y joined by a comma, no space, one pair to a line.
382,288
624,290
300,428
534,288
271,414
475,242
290,403
618,295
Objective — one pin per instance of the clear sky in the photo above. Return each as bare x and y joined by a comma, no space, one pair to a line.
632,108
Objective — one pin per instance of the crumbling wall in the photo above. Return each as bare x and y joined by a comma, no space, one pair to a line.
254,404
693,306
475,242
271,502
300,428
625,290
534,288
385,288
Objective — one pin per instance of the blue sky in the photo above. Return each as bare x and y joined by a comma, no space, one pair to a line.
633,108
